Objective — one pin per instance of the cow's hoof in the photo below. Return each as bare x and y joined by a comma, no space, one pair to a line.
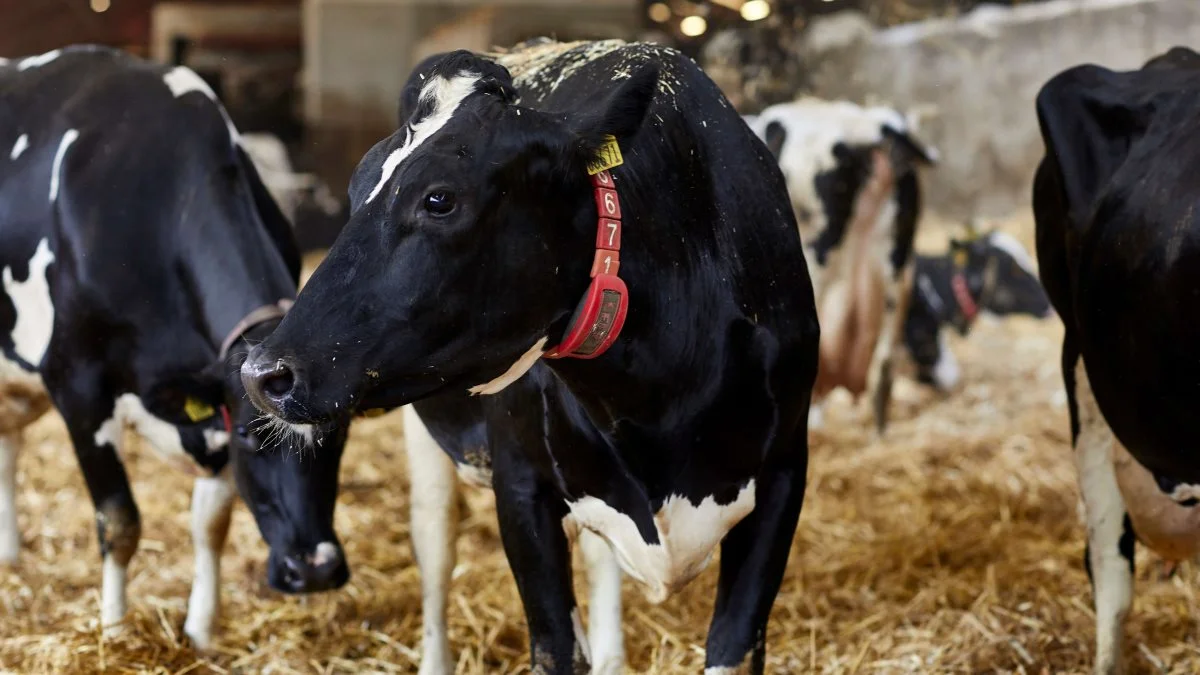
200,633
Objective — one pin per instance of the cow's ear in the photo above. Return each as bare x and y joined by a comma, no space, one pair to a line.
190,398
907,150
620,115
775,136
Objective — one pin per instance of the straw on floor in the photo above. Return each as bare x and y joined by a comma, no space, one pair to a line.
951,546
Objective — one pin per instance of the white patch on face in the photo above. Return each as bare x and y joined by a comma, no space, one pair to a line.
163,436
514,372
38,61
1009,244
447,95
688,535
182,80
56,169
946,372
19,147
215,439
326,552
35,309
606,640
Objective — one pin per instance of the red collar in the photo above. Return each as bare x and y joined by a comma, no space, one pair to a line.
958,283
600,315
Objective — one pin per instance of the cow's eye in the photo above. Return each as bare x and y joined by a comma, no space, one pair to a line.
439,202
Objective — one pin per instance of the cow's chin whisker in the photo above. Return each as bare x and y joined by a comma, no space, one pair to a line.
281,432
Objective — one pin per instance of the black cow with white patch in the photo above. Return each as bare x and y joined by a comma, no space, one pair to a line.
989,273
629,352
140,256
851,173
1118,246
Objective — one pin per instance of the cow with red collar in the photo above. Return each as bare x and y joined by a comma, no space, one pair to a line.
851,173
141,256
580,267
1114,200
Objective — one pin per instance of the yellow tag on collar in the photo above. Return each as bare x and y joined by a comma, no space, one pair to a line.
960,258
609,156
197,410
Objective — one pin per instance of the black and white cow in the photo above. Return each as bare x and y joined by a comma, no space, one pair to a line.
851,173
1118,247
666,411
989,273
140,255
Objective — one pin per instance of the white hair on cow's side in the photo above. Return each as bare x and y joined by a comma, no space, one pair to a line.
1009,244
447,95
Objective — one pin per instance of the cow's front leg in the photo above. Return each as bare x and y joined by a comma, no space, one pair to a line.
97,436
753,557
10,535
212,505
880,377
434,513
606,640
1108,556
531,516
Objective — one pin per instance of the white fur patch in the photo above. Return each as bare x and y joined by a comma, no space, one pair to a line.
39,60
688,535
581,640
447,95
212,500
112,594
946,373
56,169
182,80
514,372
325,553
35,309
19,147
1009,244
474,476
215,439
606,640
163,436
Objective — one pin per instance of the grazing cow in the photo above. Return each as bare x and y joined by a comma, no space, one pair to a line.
307,202
1114,201
140,255
988,273
852,176
665,411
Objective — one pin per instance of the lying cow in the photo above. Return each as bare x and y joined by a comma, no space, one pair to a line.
665,411
1114,202
852,177
990,273
140,256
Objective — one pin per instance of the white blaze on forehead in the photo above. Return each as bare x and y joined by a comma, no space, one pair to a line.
161,435
447,95
20,146
1009,244
40,60
34,307
56,169
182,80
688,535
514,372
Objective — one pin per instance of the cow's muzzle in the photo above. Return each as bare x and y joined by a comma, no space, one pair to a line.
271,383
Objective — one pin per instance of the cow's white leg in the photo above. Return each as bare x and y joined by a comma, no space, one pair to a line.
434,531
1112,573
606,640
880,375
816,415
10,535
212,505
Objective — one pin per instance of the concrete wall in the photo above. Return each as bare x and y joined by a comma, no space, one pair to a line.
977,77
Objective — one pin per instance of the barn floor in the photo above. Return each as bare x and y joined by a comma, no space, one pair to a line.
954,546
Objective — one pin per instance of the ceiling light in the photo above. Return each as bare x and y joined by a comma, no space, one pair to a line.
100,6
659,12
693,26
754,10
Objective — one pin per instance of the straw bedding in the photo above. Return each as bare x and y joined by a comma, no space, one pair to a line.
952,546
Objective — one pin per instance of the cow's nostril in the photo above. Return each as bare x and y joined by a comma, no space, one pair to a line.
279,382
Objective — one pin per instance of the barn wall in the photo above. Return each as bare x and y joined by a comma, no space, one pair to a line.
979,77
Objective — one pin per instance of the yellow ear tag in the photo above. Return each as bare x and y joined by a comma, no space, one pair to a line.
960,258
608,157
197,410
